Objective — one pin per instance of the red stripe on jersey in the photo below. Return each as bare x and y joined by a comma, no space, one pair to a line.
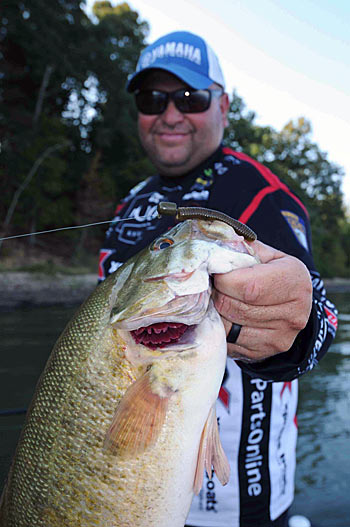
270,177
224,396
120,206
104,253
254,204
287,384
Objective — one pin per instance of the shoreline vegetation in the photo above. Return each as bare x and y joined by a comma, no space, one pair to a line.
38,289
70,151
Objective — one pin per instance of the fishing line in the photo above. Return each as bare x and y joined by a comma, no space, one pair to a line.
167,209
67,228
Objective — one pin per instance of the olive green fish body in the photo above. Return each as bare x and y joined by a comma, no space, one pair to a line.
86,457
64,425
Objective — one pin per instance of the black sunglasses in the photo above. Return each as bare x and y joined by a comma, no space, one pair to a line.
154,102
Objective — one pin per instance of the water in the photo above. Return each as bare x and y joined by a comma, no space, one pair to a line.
323,471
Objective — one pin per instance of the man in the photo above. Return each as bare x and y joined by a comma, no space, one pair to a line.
277,319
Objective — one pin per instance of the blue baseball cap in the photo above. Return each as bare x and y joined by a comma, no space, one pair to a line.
183,54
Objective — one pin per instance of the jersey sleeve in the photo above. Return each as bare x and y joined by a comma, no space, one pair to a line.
281,221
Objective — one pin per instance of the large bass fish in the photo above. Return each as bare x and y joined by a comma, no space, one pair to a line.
123,424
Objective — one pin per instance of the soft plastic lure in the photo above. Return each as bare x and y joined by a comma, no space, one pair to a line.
168,208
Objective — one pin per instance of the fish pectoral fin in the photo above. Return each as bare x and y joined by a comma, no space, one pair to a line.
211,454
138,419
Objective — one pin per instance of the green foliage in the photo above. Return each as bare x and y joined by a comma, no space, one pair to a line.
119,37
64,84
69,142
299,163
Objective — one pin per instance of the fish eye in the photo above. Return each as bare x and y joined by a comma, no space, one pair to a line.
162,243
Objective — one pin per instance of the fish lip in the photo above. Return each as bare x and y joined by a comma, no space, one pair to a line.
180,276
191,314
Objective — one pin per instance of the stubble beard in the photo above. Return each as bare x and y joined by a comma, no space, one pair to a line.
168,160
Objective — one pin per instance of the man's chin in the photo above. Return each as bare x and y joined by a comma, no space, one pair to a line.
172,161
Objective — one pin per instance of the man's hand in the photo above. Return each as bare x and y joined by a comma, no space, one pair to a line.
271,301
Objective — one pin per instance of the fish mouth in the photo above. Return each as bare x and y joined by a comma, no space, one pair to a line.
186,309
171,326
161,334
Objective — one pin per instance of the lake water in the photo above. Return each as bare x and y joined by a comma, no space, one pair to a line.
323,470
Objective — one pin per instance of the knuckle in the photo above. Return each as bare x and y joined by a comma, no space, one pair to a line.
223,304
252,291
299,323
240,309
304,279
285,343
301,316
281,344
233,310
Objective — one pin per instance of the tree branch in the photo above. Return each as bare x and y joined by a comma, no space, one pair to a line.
26,182
40,100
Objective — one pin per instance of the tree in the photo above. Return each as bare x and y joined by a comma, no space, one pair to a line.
299,163
119,37
42,65
64,83
64,79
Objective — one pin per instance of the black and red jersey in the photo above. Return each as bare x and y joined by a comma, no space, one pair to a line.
257,403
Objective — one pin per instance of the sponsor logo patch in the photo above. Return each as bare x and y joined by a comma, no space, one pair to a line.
220,168
182,50
204,181
296,223
233,160
332,318
196,195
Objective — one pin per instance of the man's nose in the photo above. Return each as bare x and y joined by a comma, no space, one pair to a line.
171,115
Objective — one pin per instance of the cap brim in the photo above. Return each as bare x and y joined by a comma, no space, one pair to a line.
194,80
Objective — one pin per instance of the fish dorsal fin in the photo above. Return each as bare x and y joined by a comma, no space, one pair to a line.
211,454
138,419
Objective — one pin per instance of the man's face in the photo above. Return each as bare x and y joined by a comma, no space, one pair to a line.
177,142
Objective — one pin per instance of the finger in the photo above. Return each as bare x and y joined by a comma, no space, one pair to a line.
264,284
264,252
237,353
262,343
227,325
281,279
264,317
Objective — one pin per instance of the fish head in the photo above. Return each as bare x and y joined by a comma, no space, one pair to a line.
167,290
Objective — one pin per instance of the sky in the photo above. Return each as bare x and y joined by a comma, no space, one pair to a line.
285,58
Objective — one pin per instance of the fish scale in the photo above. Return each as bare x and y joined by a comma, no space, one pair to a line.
69,468
54,407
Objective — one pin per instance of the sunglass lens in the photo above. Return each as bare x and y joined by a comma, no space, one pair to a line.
192,101
151,102
154,102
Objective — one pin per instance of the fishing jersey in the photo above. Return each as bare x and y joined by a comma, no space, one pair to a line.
257,403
